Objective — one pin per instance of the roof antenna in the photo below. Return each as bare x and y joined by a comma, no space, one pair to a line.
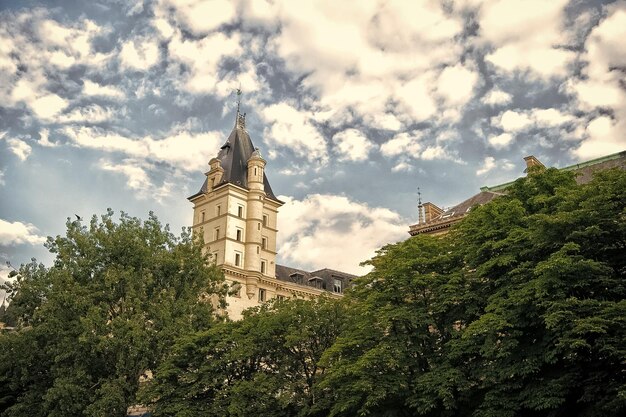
420,211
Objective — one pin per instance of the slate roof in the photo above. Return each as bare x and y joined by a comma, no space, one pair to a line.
464,207
233,156
302,277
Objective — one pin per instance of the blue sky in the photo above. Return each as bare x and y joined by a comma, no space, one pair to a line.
122,104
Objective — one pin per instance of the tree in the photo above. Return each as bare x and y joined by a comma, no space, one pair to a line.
518,311
266,364
105,313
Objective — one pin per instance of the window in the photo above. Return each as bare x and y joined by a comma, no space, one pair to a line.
259,226
265,220
263,266
217,233
202,216
237,259
297,277
239,211
261,295
264,242
280,297
337,285
255,171
214,256
212,182
316,282
239,235
218,210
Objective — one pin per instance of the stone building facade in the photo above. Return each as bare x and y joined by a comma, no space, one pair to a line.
236,212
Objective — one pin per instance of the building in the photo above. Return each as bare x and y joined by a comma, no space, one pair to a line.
236,212
433,220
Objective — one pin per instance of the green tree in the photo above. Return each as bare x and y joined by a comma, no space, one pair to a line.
266,364
103,315
518,311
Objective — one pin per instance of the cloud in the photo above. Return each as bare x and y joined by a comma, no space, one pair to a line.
139,54
293,129
516,121
94,89
137,176
181,149
526,36
456,84
497,97
502,140
352,145
20,148
490,163
604,136
314,232
2,182
402,144
198,16
18,233
602,86
92,113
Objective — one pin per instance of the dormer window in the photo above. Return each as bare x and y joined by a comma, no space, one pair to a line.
317,282
297,277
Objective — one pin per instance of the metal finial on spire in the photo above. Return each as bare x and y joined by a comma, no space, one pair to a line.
238,91
420,210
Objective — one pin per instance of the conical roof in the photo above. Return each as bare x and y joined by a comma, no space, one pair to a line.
233,156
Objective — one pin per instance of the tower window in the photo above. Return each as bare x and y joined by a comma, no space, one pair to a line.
265,220
255,171
264,242
261,295
217,233
218,210
237,259
239,234
202,216
240,211
263,266
337,285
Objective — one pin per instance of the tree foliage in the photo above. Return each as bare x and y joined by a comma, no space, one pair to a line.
105,313
520,310
266,364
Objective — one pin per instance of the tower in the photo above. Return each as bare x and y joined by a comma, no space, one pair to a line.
236,213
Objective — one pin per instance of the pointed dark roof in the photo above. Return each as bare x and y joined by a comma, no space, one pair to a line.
233,156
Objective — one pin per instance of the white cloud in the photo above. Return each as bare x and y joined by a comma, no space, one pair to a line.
20,148
435,152
314,231
402,144
92,113
456,84
199,16
516,121
18,233
604,136
501,141
48,106
94,89
139,54
488,164
293,129
496,97
180,149
526,35
352,145
402,166
513,121
2,182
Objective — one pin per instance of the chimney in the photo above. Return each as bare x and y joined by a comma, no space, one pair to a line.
533,163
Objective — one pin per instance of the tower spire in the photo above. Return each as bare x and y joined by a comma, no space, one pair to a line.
420,207
240,121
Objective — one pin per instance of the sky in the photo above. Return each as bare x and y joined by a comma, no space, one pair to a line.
354,105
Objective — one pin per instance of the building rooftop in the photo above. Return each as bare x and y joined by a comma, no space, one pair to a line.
233,156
